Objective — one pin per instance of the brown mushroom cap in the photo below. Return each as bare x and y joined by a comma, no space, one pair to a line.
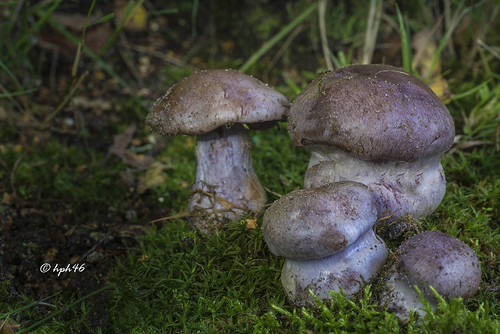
374,112
438,259
209,99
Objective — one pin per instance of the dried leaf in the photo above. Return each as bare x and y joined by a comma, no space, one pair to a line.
153,177
9,327
425,52
251,224
119,148
95,38
139,19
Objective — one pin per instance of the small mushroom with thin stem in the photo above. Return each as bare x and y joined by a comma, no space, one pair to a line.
326,235
380,126
427,259
214,105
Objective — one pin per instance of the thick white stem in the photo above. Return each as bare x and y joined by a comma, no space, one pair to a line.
400,188
226,186
348,270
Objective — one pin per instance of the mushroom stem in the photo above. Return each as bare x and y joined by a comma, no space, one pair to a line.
226,186
400,187
348,270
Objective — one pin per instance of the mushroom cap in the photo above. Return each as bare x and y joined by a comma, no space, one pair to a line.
374,112
209,99
318,222
438,259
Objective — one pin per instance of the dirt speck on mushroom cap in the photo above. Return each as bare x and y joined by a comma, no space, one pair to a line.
374,112
209,99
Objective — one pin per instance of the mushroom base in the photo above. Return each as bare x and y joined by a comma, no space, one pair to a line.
400,188
226,186
348,270
400,297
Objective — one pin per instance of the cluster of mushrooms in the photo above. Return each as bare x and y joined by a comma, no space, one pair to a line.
376,136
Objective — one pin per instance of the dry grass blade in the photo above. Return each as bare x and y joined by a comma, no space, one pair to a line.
322,30
372,26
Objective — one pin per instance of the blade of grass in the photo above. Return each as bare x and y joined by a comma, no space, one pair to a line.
103,19
64,309
18,93
163,11
194,15
8,314
371,33
276,38
322,31
468,92
23,38
89,53
405,42
12,76
453,24
65,100
81,42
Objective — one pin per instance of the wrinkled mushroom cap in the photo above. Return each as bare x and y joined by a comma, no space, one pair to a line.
374,112
318,222
209,99
438,259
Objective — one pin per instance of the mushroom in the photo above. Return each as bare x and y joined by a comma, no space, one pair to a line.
326,235
427,259
214,105
380,126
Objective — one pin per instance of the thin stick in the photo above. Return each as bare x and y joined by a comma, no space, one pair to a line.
66,99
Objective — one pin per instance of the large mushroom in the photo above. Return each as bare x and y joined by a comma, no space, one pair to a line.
326,235
428,259
380,126
214,105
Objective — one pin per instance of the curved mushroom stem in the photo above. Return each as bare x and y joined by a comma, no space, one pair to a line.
226,186
348,270
400,188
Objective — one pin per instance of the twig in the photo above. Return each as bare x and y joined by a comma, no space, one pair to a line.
13,172
65,101
157,54
84,256
272,192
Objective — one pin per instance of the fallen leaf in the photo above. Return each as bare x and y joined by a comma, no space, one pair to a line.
153,177
50,254
137,21
425,53
251,224
119,148
9,327
95,36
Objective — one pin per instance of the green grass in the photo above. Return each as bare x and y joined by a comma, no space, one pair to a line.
176,280
179,281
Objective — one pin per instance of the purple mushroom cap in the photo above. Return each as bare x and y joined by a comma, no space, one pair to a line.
373,112
317,222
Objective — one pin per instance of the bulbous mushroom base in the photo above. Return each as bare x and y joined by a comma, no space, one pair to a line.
400,188
226,186
348,270
400,297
